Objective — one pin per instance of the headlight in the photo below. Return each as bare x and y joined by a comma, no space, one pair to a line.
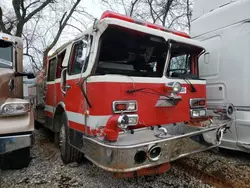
198,113
124,106
176,88
12,109
124,121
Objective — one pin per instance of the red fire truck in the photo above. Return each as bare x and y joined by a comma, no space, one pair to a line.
126,95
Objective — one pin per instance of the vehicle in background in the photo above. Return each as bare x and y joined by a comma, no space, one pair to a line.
127,94
223,27
16,118
26,83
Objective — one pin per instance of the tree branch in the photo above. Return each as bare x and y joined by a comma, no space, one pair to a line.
75,27
43,5
2,25
176,18
33,61
166,10
61,27
61,21
23,10
31,4
16,6
133,3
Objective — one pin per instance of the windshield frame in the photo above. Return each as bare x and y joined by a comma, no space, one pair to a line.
168,59
100,40
12,55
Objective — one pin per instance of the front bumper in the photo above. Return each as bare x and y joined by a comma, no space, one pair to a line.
15,142
179,141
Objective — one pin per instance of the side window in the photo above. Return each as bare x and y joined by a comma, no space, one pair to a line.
52,70
77,60
59,64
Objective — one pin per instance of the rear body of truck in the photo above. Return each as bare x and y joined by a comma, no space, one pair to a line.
224,29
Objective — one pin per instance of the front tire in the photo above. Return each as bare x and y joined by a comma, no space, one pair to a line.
68,153
16,160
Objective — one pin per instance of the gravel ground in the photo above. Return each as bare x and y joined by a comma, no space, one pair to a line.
47,170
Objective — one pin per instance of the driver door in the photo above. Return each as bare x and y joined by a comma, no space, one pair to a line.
73,97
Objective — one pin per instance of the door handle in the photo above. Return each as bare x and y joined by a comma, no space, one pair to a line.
67,87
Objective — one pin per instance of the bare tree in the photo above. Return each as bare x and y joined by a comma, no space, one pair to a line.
41,23
22,14
168,13
129,6
62,23
189,6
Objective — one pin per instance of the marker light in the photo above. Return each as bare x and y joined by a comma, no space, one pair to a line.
124,106
197,102
4,38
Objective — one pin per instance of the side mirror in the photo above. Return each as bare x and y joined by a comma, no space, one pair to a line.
29,75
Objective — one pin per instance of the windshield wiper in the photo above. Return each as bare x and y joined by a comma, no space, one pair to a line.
193,89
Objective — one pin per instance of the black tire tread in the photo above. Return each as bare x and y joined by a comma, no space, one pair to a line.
71,154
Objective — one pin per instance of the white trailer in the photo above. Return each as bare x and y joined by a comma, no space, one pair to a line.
224,28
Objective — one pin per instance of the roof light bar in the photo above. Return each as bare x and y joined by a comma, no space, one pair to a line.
111,14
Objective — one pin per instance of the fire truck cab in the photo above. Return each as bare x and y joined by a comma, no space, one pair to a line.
16,118
127,95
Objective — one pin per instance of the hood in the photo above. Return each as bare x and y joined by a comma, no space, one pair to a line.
5,76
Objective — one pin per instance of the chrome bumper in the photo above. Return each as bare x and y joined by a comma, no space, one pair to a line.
178,141
12,143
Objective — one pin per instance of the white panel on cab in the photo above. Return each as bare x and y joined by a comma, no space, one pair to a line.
202,7
209,61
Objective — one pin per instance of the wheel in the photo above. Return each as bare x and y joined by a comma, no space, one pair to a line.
16,160
57,139
68,153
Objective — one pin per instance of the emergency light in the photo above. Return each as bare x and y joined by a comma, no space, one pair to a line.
110,14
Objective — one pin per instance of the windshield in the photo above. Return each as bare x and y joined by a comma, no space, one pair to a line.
183,61
133,53
6,54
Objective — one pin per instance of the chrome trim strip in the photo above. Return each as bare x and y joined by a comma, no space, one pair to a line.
109,158
147,165
156,141
243,108
12,143
238,108
193,152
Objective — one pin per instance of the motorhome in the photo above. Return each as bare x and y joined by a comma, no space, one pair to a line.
223,27
16,118
127,95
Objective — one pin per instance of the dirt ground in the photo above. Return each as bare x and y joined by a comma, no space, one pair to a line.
47,170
